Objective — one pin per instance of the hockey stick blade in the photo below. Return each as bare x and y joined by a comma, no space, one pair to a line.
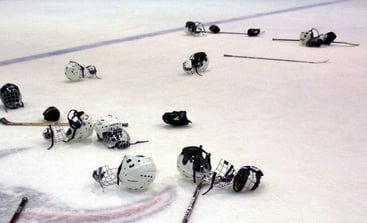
19,210
5,121
277,59
192,202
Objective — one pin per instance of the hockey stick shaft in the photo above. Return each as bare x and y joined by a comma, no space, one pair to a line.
276,59
296,40
192,203
5,121
234,33
19,210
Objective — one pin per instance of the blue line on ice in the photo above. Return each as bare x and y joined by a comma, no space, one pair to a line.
153,34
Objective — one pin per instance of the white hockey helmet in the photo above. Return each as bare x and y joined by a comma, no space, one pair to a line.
81,125
193,163
136,172
109,130
74,71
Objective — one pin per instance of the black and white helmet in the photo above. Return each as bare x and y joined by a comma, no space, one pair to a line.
74,71
81,125
11,96
197,63
136,172
193,163
247,178
194,28
110,131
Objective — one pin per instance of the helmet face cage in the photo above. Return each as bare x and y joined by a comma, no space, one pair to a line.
55,133
110,132
116,138
105,176
11,96
136,172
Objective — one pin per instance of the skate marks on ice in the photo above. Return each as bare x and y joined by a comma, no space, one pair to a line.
43,208
6,152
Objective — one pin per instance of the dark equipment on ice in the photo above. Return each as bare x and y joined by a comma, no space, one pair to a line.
250,32
11,96
51,114
312,38
176,118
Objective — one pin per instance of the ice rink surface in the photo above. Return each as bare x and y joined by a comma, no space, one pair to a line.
303,125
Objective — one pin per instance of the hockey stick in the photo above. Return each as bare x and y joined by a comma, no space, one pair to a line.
19,210
295,40
5,121
235,33
192,202
277,59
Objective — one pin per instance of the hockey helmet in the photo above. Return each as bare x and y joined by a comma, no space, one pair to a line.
74,71
197,63
109,130
81,125
247,178
11,96
194,28
193,163
136,172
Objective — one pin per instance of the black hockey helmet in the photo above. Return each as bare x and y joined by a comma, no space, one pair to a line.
11,96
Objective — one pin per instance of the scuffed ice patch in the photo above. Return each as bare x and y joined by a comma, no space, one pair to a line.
41,207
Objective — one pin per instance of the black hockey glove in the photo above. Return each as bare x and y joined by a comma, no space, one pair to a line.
176,118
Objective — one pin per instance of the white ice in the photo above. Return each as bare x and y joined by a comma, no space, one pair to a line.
303,125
